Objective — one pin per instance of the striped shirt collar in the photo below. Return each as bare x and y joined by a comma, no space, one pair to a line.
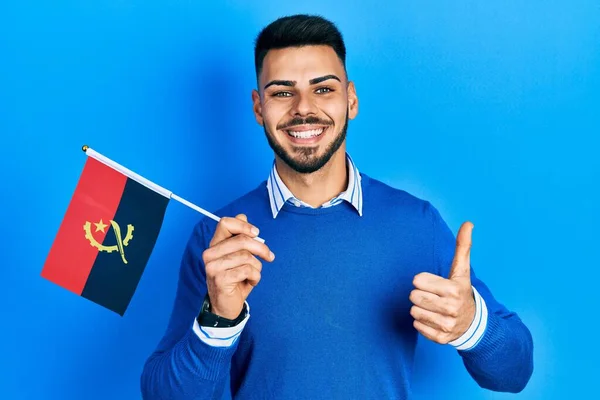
279,194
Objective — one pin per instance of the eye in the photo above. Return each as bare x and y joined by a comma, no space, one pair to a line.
282,94
323,90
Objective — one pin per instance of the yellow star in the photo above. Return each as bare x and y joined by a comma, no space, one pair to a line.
100,226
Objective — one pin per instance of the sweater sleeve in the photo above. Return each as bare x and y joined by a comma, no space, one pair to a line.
502,359
183,366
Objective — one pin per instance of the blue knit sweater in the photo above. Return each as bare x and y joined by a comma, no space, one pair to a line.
330,317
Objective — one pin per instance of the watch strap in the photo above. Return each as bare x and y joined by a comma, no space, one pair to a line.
207,318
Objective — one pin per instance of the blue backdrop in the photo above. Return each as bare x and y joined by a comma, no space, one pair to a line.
490,111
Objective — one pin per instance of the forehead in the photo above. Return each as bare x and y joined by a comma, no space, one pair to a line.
301,64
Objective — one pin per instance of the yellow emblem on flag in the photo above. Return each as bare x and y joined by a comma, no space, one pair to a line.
121,243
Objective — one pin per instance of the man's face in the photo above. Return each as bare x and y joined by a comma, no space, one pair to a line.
304,105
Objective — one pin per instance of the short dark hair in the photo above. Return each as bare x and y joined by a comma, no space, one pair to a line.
297,31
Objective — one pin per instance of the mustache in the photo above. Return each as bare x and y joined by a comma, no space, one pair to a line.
304,121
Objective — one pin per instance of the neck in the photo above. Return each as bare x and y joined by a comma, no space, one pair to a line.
320,186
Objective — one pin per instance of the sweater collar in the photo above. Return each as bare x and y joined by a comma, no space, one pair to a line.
279,194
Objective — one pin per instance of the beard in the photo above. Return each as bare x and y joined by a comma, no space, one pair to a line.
306,160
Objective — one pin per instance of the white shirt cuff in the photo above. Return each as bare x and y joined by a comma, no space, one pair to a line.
220,337
473,335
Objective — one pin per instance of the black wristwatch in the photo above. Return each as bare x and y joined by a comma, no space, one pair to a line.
207,318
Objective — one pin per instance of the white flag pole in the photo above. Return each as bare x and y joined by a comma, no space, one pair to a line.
151,185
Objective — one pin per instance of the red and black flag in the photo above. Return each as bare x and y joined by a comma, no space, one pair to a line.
107,234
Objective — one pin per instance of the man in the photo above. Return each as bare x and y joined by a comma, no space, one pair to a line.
359,267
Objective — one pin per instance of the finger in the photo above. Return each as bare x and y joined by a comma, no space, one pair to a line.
461,265
232,260
436,284
434,320
241,274
228,227
432,302
428,332
235,244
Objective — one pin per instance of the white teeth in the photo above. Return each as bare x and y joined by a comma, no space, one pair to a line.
305,134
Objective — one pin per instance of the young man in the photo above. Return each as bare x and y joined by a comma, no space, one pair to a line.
360,267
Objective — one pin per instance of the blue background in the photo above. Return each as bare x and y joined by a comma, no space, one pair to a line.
490,111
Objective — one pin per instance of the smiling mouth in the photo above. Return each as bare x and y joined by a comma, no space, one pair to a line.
305,134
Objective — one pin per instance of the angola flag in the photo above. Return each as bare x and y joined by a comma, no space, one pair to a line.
106,237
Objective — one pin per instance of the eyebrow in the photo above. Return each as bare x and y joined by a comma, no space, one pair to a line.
313,81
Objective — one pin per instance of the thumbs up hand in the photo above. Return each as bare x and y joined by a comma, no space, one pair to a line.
444,308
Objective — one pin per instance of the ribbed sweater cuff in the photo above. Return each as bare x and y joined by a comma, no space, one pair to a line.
212,362
491,342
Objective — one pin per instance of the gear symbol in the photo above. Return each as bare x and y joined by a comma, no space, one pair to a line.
129,234
101,247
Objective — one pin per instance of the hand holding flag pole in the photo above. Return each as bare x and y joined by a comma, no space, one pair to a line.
167,193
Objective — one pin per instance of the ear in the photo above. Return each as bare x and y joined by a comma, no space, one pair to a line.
352,101
256,107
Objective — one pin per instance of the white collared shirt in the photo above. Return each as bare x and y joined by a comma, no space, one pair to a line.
279,194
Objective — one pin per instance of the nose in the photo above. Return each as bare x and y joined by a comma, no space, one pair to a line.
303,106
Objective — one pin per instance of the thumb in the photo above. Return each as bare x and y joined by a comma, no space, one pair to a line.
461,265
243,217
